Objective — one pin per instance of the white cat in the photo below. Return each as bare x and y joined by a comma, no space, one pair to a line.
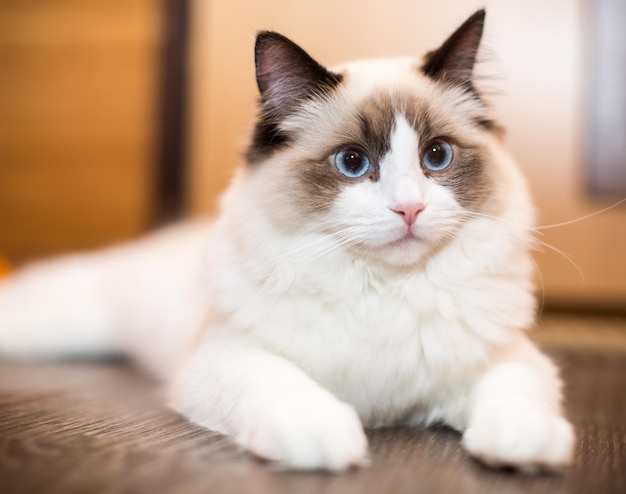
370,265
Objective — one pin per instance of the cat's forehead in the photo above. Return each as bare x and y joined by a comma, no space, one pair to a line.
364,79
403,84
379,72
372,95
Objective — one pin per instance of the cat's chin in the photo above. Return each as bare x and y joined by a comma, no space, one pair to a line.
407,250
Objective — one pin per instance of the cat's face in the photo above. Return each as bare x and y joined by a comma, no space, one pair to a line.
390,157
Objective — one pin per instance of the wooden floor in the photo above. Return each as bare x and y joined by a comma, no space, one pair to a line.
100,427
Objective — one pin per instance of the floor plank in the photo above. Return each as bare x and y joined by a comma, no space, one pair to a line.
101,427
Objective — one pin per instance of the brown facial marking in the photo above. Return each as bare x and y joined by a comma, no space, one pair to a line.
319,182
467,177
377,118
370,130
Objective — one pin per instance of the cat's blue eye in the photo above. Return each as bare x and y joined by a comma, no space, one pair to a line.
439,155
352,162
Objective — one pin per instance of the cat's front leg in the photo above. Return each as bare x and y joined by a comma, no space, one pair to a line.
514,416
270,407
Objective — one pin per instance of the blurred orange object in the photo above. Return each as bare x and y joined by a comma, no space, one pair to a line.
5,267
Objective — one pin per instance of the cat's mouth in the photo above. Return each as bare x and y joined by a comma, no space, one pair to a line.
409,238
406,248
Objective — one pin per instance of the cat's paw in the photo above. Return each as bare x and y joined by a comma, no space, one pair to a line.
306,432
522,437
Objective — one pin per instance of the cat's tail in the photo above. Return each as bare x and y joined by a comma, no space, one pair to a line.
142,299
56,308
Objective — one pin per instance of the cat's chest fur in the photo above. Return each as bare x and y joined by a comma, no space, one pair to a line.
395,344
377,349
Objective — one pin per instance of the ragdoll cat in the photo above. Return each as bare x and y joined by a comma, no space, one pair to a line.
370,266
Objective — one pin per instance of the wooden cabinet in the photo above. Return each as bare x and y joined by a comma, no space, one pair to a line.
78,82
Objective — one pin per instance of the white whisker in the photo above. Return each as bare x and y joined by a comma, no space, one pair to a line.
536,241
582,218
475,215
341,239
565,256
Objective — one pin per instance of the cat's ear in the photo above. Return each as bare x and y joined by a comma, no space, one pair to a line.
287,75
453,62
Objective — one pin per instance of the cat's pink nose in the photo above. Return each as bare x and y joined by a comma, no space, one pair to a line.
409,211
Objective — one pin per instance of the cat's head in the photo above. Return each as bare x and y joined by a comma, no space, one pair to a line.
390,157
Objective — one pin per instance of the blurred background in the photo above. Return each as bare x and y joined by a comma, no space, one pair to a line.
117,116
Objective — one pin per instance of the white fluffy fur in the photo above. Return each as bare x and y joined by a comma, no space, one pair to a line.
279,335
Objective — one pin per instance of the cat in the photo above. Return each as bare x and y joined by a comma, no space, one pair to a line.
370,266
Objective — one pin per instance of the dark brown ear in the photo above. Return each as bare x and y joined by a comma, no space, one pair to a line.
453,62
286,74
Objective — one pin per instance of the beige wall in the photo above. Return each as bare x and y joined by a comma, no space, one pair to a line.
537,52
